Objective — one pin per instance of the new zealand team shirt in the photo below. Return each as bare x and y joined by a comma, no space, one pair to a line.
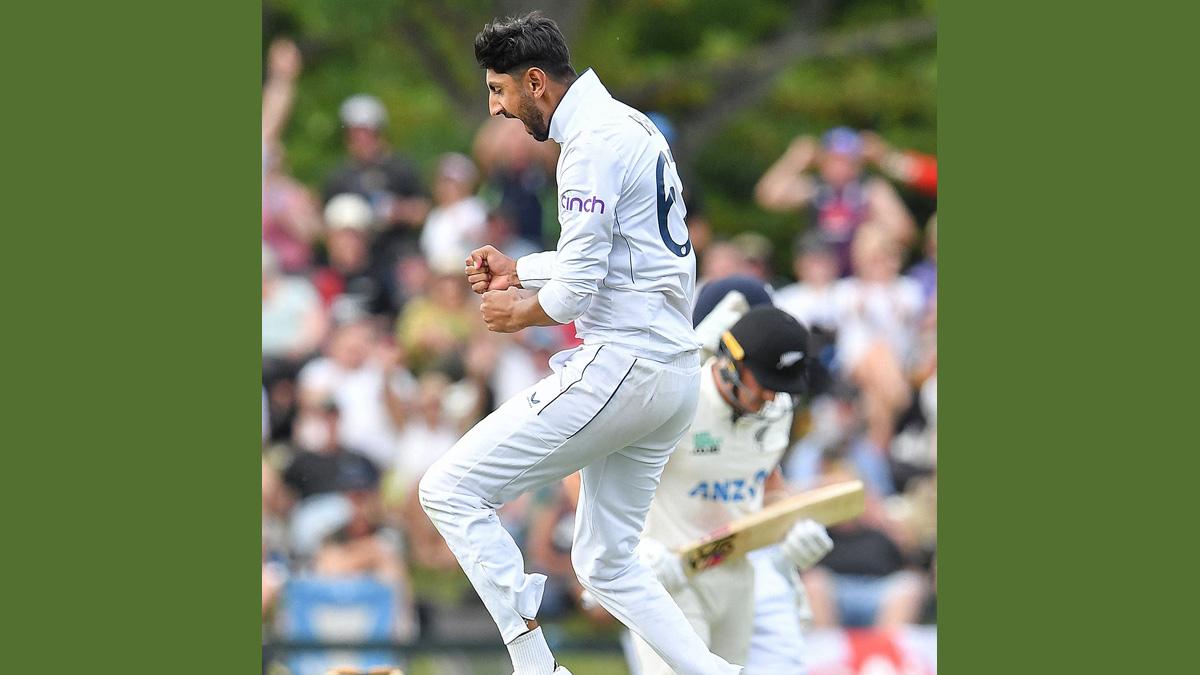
718,470
624,270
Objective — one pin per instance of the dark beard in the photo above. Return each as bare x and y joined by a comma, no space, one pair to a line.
535,122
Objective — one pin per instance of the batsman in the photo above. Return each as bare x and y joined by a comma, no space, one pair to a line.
724,467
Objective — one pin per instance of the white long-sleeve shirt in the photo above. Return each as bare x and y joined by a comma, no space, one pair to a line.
624,270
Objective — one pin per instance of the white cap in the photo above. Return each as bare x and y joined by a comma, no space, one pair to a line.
350,211
457,167
316,518
363,110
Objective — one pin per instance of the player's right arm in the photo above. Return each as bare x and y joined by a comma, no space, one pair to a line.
490,270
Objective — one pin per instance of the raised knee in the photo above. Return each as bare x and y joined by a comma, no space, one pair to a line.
429,490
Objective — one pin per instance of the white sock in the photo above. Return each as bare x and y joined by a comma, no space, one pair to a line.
531,655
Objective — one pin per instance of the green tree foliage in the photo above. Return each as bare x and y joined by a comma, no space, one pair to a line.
737,79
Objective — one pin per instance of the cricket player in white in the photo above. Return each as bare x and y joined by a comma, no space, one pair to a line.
723,467
615,407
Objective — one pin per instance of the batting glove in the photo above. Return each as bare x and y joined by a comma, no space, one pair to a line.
806,543
665,564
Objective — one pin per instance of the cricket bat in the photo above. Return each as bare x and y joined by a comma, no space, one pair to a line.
828,505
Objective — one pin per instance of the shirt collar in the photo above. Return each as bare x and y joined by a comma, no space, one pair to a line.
580,97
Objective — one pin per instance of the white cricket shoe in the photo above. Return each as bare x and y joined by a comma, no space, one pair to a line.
560,670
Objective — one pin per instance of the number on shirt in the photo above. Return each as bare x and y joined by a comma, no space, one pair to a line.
666,199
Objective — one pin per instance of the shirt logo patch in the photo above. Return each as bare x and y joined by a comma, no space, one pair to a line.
705,443
591,204
731,490
788,359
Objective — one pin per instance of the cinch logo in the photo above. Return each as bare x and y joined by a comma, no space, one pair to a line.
589,205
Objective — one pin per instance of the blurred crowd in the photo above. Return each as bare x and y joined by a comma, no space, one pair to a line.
375,361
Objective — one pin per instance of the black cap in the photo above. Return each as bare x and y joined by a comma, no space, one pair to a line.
774,346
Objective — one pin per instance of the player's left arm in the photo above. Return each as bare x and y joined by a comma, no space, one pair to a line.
589,187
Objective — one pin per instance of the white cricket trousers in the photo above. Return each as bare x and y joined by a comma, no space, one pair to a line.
778,645
746,611
719,604
616,417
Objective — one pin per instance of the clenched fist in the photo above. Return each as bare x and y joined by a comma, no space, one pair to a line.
498,310
490,270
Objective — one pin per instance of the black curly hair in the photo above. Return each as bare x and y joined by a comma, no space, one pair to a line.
515,44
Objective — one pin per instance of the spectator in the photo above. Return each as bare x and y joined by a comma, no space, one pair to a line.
756,254
925,271
723,259
427,434
915,169
518,171
811,299
500,229
348,539
290,221
322,464
274,575
434,328
699,231
879,313
411,278
347,285
840,198
387,180
365,377
293,323
279,89
524,359
456,224
551,525
866,580
279,380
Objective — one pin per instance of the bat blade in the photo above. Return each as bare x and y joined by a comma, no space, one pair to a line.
828,505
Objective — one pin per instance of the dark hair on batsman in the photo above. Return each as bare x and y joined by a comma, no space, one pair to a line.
506,45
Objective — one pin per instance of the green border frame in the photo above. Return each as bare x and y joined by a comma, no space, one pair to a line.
1066,145
1064,153
132,137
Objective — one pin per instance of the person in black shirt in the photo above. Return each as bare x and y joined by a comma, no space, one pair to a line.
322,465
868,578
387,179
